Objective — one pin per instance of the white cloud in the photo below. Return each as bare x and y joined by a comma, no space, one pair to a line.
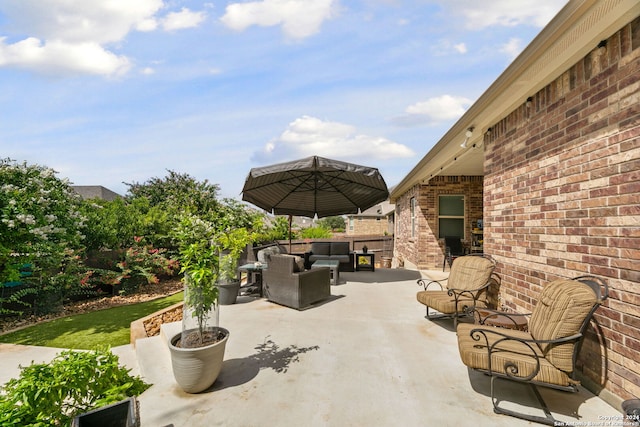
183,19
78,21
434,111
298,18
57,57
74,36
445,47
512,48
460,48
482,14
307,136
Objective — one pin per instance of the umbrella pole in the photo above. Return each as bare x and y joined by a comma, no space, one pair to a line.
290,218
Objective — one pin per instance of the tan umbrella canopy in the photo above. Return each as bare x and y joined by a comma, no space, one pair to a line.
314,186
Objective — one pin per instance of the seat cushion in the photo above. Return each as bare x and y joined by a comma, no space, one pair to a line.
561,308
444,303
474,354
313,258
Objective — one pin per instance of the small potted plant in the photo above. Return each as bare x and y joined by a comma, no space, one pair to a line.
232,243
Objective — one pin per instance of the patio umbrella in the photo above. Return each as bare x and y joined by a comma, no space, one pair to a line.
314,186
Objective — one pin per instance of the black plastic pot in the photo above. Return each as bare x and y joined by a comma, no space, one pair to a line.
119,414
228,292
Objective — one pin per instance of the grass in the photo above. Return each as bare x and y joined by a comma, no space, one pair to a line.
90,330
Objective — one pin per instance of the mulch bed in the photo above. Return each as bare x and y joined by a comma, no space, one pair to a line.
146,293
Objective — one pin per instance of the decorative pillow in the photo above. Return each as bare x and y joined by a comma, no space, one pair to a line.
264,255
298,263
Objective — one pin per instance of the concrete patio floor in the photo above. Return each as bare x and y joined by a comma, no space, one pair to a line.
364,357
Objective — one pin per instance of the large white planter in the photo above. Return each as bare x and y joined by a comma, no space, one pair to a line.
196,369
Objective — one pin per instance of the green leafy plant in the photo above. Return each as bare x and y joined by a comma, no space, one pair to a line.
144,264
51,394
208,253
199,263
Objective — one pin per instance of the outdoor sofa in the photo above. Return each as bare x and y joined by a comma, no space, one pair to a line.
338,251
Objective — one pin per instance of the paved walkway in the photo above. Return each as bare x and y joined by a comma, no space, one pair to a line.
365,357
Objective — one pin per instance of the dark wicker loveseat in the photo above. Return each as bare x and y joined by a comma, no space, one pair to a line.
338,251
286,283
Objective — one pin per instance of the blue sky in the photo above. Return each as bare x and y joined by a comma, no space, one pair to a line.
113,91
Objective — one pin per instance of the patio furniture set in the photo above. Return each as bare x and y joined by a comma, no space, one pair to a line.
299,281
538,348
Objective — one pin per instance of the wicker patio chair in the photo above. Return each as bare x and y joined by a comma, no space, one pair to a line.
546,354
286,282
467,286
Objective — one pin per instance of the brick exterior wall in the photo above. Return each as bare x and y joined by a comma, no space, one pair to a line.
424,249
561,199
375,226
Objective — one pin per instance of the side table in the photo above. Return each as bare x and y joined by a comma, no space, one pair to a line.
365,261
490,318
254,276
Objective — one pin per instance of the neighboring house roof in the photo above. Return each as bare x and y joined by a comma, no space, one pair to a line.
382,209
95,192
575,31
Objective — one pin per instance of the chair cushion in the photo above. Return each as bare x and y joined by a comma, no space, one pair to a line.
470,272
339,248
474,354
562,307
445,304
321,248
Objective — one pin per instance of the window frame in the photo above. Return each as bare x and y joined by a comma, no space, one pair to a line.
454,217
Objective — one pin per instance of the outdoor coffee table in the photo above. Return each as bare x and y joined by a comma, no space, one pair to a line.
333,265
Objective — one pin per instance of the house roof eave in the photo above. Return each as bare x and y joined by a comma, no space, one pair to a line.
570,35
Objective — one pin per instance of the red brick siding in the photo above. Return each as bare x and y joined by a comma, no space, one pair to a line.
562,198
425,250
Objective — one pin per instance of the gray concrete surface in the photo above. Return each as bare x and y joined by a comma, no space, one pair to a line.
365,357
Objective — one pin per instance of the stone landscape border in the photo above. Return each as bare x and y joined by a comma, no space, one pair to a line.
149,326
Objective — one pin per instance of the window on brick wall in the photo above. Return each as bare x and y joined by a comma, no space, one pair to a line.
412,204
451,215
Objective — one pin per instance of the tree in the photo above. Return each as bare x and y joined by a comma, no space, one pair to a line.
334,223
178,193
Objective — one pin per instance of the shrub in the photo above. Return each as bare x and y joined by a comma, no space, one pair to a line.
73,383
40,222
315,233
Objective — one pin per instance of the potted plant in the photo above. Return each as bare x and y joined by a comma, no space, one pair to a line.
208,259
197,352
232,244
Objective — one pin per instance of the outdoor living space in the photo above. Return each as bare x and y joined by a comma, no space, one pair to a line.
364,356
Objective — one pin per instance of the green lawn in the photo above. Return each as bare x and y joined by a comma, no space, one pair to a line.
87,331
